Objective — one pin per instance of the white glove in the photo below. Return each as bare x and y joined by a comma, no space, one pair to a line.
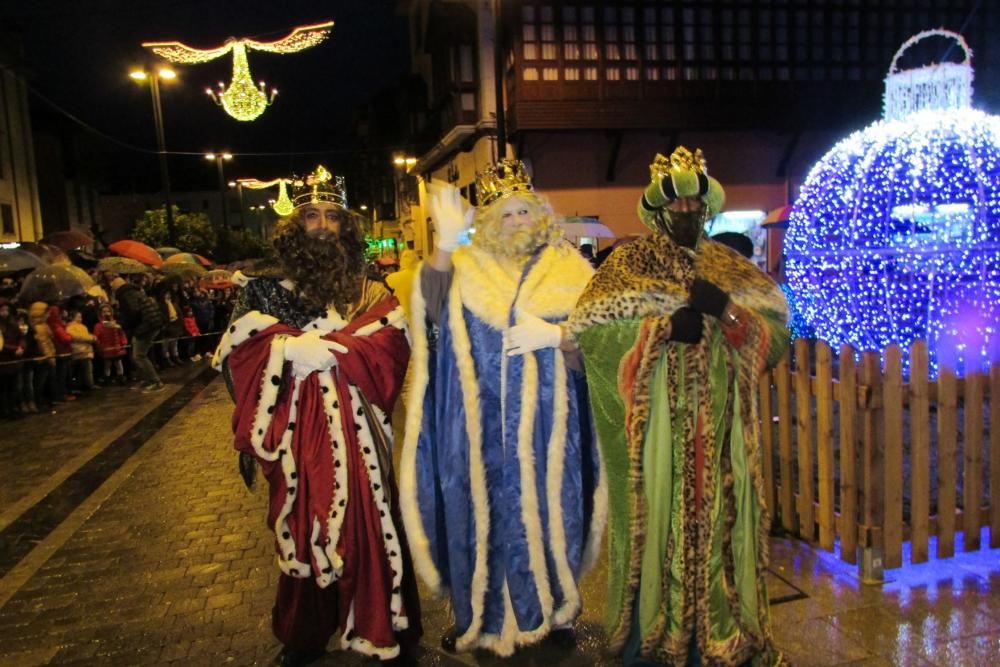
532,333
309,352
444,205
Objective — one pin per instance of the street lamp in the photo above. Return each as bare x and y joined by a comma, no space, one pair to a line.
167,74
239,195
219,158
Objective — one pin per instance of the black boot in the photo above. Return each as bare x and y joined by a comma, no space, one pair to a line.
564,638
291,658
449,638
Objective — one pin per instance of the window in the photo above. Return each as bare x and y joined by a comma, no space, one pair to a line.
7,216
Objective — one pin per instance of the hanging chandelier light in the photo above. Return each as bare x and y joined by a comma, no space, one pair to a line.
243,100
283,205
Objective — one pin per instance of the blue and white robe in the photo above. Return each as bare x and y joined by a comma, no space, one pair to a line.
501,487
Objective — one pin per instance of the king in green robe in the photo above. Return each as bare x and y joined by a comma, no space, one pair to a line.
675,331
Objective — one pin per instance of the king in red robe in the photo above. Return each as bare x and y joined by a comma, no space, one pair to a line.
314,388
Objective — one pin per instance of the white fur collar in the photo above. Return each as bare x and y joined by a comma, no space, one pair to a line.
550,291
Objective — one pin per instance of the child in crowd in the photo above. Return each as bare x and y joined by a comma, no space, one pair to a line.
82,350
191,328
111,341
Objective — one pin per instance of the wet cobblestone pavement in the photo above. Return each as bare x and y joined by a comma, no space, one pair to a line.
159,555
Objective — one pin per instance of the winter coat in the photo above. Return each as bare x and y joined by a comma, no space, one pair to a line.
83,340
191,326
13,340
62,338
38,318
111,339
138,314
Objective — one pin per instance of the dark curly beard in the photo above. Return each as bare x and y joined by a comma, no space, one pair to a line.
328,271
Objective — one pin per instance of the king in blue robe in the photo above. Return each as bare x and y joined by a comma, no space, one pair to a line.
501,488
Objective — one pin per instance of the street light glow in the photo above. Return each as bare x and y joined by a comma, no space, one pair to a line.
209,156
364,207
399,162
227,156
232,184
410,161
166,73
138,75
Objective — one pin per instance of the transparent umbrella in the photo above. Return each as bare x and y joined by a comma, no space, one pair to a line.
54,283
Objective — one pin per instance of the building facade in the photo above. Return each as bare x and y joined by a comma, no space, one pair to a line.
591,91
20,214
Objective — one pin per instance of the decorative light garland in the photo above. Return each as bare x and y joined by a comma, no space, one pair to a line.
243,100
895,236
283,205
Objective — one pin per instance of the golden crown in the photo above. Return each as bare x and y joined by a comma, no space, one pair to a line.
680,160
319,186
501,180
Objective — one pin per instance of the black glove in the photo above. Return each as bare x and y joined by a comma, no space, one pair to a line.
248,469
686,325
707,298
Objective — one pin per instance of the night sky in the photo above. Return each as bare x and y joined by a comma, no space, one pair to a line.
78,55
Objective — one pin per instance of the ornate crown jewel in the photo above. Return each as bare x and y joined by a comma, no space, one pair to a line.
319,186
680,160
501,180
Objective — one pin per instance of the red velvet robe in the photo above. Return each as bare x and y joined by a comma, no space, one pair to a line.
336,481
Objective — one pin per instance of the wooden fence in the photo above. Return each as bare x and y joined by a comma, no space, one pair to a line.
844,479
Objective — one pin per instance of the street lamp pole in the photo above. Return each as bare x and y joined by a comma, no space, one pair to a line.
161,144
239,195
219,158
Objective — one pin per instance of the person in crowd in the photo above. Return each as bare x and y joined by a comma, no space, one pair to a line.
44,353
12,349
500,477
59,379
111,343
192,332
82,350
204,316
142,321
401,281
315,356
167,296
675,330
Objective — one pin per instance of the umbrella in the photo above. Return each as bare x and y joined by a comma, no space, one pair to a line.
54,283
49,254
185,271
16,259
167,252
138,251
122,265
82,258
778,218
576,226
217,279
67,240
188,258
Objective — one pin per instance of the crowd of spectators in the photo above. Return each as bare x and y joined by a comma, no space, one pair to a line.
123,331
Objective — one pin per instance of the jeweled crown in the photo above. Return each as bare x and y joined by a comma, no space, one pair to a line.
319,186
680,160
501,180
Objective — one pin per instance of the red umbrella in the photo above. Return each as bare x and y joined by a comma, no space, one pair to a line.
138,251
67,240
778,218
204,261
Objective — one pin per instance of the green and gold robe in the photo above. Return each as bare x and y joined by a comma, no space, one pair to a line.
678,570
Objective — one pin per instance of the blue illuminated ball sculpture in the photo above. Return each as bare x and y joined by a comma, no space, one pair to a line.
896,234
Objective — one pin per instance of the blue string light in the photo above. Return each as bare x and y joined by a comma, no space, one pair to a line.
896,237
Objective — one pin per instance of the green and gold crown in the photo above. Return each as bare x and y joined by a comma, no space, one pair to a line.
319,186
502,180
681,160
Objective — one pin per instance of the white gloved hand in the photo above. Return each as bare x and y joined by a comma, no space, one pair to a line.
309,353
444,205
531,333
